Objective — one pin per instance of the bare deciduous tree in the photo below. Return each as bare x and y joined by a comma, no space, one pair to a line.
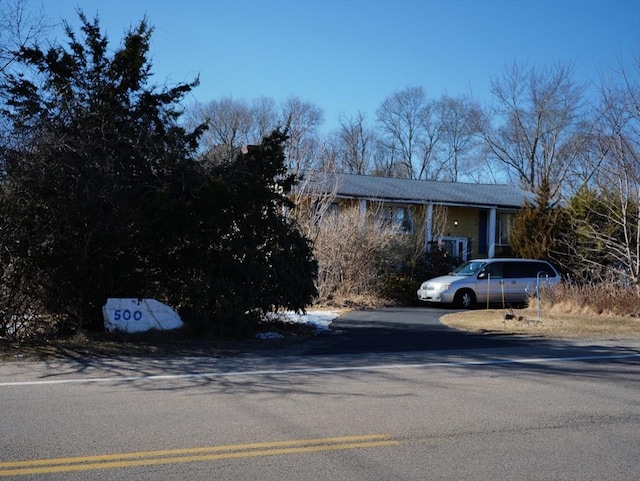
302,120
19,27
265,119
458,137
530,129
401,117
428,141
610,228
232,124
236,123
358,144
229,123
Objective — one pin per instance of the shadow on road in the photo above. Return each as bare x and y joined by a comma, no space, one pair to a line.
404,336
401,330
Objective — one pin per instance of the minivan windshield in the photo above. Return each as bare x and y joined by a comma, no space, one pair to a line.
469,268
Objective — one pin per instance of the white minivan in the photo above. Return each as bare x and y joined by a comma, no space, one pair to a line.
505,281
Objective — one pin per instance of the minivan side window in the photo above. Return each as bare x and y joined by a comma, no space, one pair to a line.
530,270
544,267
519,270
493,269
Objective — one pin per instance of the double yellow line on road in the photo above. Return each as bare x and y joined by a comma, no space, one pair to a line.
189,455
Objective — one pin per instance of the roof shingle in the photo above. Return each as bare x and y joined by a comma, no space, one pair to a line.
417,191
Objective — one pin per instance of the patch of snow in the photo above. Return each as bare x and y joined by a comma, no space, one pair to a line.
319,320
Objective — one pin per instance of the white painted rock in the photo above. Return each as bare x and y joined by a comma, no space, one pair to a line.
139,315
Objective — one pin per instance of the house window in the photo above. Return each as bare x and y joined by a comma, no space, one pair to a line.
396,218
323,211
332,210
504,223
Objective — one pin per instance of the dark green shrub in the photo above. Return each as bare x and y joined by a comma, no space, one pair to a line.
399,289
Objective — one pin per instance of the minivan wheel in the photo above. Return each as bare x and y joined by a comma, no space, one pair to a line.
465,299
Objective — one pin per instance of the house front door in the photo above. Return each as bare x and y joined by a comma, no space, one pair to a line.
456,247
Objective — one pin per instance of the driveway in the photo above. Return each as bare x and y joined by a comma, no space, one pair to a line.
401,329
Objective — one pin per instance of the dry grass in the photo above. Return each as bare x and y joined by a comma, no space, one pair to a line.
563,321
604,310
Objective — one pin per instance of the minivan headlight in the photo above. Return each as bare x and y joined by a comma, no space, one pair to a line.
429,286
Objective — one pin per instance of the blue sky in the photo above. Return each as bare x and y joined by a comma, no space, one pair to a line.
348,55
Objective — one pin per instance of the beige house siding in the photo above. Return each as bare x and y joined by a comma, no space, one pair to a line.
471,226
459,230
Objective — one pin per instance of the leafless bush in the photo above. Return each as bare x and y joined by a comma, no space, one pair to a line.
355,250
21,316
352,257
607,299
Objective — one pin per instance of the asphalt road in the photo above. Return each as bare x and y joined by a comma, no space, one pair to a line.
401,329
392,395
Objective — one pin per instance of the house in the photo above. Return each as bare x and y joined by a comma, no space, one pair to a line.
467,220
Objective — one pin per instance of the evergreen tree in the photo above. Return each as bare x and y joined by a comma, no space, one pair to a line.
540,229
91,144
101,195
240,256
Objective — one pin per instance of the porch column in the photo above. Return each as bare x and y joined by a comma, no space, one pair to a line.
428,221
491,231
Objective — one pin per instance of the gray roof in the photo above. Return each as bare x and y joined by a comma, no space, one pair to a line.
413,191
